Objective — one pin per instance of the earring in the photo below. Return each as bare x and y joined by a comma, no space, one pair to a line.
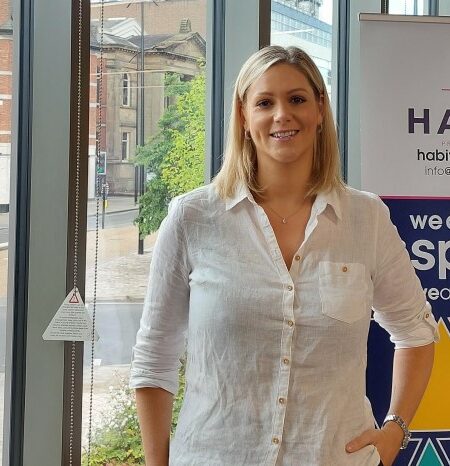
319,128
247,135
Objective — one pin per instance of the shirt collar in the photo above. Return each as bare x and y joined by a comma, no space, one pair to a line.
323,199
330,198
240,193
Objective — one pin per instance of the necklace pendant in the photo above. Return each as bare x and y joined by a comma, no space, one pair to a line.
284,220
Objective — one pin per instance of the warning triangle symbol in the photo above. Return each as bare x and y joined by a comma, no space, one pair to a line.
71,322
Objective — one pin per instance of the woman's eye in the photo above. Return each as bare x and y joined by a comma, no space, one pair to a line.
296,99
263,103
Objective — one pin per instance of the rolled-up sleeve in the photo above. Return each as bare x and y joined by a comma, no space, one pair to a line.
399,302
160,340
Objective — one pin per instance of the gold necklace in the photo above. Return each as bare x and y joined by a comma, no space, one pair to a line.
284,219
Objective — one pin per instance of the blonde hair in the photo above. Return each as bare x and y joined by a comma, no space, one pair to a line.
239,161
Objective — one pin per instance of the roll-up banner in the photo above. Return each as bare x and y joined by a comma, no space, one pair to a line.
405,158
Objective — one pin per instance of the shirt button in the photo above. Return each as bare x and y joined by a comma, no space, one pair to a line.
281,401
285,361
297,258
290,287
427,315
290,323
276,440
345,268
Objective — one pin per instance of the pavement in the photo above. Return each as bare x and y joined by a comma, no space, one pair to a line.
121,272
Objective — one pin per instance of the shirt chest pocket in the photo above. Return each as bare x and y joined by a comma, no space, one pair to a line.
343,290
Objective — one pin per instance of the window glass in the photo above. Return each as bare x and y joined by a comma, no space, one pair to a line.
408,7
157,68
125,146
126,90
6,80
444,8
308,25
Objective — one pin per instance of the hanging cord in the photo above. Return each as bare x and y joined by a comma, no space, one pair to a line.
76,229
98,193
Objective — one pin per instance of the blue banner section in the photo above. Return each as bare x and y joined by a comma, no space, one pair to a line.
424,225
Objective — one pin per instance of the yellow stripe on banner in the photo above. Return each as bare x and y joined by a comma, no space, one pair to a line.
434,411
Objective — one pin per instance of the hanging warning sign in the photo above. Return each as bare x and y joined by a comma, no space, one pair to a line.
74,298
71,322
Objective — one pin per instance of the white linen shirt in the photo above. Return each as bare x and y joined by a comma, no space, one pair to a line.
276,357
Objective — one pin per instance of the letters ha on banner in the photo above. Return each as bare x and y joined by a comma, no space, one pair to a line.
405,158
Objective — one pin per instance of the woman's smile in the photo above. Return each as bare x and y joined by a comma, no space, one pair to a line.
283,136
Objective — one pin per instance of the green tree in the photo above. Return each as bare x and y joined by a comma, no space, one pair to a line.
175,155
183,166
153,204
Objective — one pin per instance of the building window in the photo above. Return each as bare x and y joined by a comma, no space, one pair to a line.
126,90
125,146
166,101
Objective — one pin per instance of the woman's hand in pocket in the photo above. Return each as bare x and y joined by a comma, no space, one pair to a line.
387,441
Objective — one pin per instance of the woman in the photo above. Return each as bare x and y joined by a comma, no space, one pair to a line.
271,273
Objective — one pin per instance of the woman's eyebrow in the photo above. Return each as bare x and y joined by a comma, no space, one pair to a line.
270,94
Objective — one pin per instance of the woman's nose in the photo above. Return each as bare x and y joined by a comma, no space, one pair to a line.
282,113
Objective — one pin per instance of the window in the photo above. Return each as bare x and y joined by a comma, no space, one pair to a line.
308,26
126,90
408,7
124,254
125,146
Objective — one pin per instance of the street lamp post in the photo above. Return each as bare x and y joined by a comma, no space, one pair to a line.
141,170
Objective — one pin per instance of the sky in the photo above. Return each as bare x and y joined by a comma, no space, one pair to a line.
326,11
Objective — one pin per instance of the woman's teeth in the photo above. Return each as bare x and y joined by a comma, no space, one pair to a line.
284,134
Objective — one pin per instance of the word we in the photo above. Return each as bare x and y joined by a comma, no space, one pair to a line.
428,253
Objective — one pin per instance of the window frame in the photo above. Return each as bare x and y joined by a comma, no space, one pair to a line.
126,90
125,157
38,374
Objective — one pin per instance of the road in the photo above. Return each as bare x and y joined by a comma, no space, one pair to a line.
116,324
112,220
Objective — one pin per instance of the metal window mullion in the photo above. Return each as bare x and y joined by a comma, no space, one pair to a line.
19,239
216,103
343,53
433,7
265,7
